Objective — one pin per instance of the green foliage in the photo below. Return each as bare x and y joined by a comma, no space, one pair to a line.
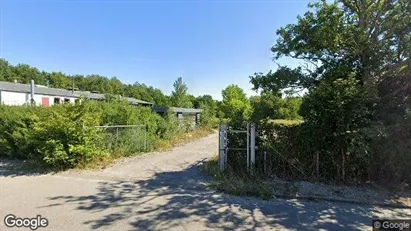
62,136
338,121
15,126
180,97
337,126
285,123
65,136
271,106
208,117
338,38
235,106
23,73
355,57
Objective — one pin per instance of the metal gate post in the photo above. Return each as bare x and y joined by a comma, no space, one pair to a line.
222,148
252,151
248,145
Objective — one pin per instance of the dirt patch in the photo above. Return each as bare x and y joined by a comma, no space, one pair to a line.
354,194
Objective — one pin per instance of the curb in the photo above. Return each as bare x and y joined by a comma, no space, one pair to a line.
313,198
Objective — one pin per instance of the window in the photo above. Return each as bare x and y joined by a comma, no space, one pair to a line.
56,100
66,100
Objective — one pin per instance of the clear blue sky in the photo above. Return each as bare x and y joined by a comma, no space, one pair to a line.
211,44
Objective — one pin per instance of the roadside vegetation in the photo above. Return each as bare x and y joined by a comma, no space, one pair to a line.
235,182
352,123
65,136
342,116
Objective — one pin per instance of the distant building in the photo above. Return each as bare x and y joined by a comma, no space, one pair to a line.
190,114
26,94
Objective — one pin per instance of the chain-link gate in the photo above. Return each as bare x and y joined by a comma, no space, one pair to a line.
224,144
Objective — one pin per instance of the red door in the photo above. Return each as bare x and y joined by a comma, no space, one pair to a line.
45,101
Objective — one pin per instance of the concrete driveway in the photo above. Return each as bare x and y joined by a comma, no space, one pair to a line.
166,191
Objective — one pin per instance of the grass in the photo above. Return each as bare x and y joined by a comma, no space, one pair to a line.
286,122
239,184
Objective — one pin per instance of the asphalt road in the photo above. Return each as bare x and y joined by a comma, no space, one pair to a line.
166,191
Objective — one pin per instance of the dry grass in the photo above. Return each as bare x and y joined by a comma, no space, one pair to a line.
286,122
240,184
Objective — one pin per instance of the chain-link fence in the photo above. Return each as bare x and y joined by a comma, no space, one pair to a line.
125,140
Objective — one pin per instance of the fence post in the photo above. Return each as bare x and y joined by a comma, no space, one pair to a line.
222,148
248,145
116,136
252,151
145,138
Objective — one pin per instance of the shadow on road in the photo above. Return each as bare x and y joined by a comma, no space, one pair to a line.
14,168
174,199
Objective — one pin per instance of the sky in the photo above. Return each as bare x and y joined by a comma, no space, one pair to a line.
211,44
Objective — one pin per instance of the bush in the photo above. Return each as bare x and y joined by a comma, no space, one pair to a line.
61,136
65,136
15,126
337,127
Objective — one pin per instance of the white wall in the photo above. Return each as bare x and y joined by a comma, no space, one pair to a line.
38,99
13,98
18,98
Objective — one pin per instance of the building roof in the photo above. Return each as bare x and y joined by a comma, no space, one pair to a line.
38,89
25,88
176,109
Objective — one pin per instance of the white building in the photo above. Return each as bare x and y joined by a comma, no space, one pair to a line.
21,94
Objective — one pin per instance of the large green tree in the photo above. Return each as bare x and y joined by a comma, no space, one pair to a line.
235,105
180,96
364,37
348,49
23,73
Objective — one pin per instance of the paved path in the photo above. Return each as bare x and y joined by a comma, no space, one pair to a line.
165,191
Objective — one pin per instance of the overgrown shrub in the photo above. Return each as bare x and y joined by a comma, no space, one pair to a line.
65,136
15,128
337,128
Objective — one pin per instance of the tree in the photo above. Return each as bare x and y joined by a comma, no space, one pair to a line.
235,104
271,106
180,97
205,100
363,37
23,73
348,49
6,71
209,107
58,80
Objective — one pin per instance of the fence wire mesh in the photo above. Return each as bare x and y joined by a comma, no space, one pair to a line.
125,139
